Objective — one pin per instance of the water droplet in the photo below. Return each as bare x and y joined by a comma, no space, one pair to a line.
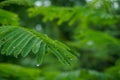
38,65
38,27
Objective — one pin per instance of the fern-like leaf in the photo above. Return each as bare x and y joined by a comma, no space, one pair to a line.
41,53
19,40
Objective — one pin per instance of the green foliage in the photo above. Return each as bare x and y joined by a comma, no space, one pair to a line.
90,27
96,42
83,17
19,40
16,72
72,15
81,74
22,73
8,18
114,71
18,2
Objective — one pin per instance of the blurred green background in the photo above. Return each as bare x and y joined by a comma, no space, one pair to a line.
91,28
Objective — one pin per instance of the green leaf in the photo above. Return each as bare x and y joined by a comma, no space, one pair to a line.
19,40
8,43
19,47
28,47
36,46
41,53
61,57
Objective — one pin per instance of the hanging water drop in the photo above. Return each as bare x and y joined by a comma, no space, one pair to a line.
38,65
